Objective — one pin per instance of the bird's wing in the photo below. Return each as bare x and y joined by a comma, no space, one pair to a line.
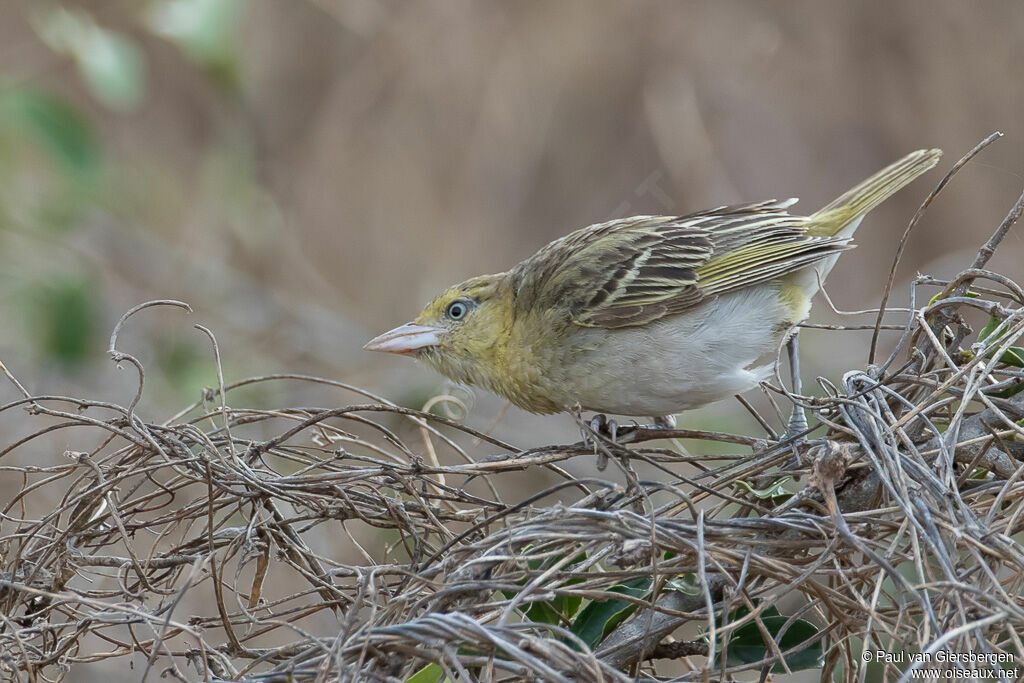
634,271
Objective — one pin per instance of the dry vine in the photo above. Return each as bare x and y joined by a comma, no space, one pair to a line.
168,536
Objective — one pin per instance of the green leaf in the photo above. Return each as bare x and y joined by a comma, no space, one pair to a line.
568,605
1009,393
544,613
743,611
747,645
55,126
969,294
597,619
1013,356
687,583
559,608
992,324
773,490
431,673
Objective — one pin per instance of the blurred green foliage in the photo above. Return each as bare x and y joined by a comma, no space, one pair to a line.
65,318
56,175
184,365
110,63
54,125
204,30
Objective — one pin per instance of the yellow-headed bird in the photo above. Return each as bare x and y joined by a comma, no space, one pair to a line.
649,315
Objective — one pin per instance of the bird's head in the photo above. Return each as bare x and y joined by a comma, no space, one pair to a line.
461,333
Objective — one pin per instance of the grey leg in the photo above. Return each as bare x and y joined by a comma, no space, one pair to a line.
798,420
601,424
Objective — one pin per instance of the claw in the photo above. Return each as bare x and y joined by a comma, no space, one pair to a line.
612,430
602,426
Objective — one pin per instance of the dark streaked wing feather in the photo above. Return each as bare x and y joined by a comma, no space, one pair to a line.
637,270
614,274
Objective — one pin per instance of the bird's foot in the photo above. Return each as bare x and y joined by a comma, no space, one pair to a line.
603,431
665,421
603,427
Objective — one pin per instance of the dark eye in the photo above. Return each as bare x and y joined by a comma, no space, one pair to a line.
457,310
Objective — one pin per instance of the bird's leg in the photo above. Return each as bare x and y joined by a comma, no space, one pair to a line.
586,431
601,425
798,420
589,430
665,421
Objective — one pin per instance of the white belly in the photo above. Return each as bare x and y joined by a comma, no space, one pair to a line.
683,362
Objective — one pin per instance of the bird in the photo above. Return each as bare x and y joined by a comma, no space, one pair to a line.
647,316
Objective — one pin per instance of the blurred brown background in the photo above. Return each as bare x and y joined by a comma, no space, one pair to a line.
308,173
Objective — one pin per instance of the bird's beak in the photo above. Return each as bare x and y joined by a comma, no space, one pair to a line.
406,339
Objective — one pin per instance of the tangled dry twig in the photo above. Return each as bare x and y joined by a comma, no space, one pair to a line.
200,547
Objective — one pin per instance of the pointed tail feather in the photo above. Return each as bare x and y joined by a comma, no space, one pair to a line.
856,202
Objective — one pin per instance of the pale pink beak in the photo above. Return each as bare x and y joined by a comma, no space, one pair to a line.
406,339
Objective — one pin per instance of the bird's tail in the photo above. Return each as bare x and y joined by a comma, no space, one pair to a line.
851,205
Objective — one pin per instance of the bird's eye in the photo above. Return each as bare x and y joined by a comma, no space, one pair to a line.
457,310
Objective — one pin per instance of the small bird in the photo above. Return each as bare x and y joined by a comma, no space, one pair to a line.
649,315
